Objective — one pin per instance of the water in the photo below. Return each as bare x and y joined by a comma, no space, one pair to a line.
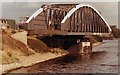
104,59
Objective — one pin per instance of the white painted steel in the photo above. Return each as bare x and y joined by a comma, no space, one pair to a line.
80,6
34,15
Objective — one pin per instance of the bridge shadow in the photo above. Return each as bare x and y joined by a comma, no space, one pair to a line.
73,48
64,42
74,54
87,58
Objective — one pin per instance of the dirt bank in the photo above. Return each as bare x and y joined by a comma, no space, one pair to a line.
16,54
13,48
37,45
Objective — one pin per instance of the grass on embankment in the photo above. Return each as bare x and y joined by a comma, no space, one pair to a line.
12,48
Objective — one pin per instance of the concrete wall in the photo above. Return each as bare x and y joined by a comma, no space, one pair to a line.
21,36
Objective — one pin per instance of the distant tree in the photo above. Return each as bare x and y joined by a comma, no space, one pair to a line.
115,32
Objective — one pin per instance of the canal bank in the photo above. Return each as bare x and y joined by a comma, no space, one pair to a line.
26,61
104,59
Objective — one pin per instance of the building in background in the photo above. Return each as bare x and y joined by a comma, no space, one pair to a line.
7,23
22,23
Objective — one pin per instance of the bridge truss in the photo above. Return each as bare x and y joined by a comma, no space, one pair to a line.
67,19
67,25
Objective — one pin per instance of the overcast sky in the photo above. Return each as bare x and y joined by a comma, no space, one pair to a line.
15,10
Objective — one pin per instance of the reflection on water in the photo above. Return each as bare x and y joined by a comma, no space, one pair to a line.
84,58
102,60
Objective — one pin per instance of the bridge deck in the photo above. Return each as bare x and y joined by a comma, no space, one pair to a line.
58,32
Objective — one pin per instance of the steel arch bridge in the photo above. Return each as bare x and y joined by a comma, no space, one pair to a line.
67,19
68,26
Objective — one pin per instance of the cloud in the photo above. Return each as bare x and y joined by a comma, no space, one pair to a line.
32,5
15,10
59,0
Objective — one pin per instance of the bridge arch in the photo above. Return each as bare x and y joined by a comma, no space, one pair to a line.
73,10
34,15
68,19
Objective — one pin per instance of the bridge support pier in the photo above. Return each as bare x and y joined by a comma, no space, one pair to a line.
85,46
85,50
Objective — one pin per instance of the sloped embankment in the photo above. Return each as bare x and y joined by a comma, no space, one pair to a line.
37,45
40,47
13,48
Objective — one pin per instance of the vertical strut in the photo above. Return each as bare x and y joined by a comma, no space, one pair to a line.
91,18
70,24
74,22
77,20
93,22
81,17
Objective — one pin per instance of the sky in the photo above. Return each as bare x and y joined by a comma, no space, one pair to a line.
15,10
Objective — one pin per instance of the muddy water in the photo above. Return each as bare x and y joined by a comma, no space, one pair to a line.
104,59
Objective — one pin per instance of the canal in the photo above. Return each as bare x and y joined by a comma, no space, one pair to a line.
104,59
